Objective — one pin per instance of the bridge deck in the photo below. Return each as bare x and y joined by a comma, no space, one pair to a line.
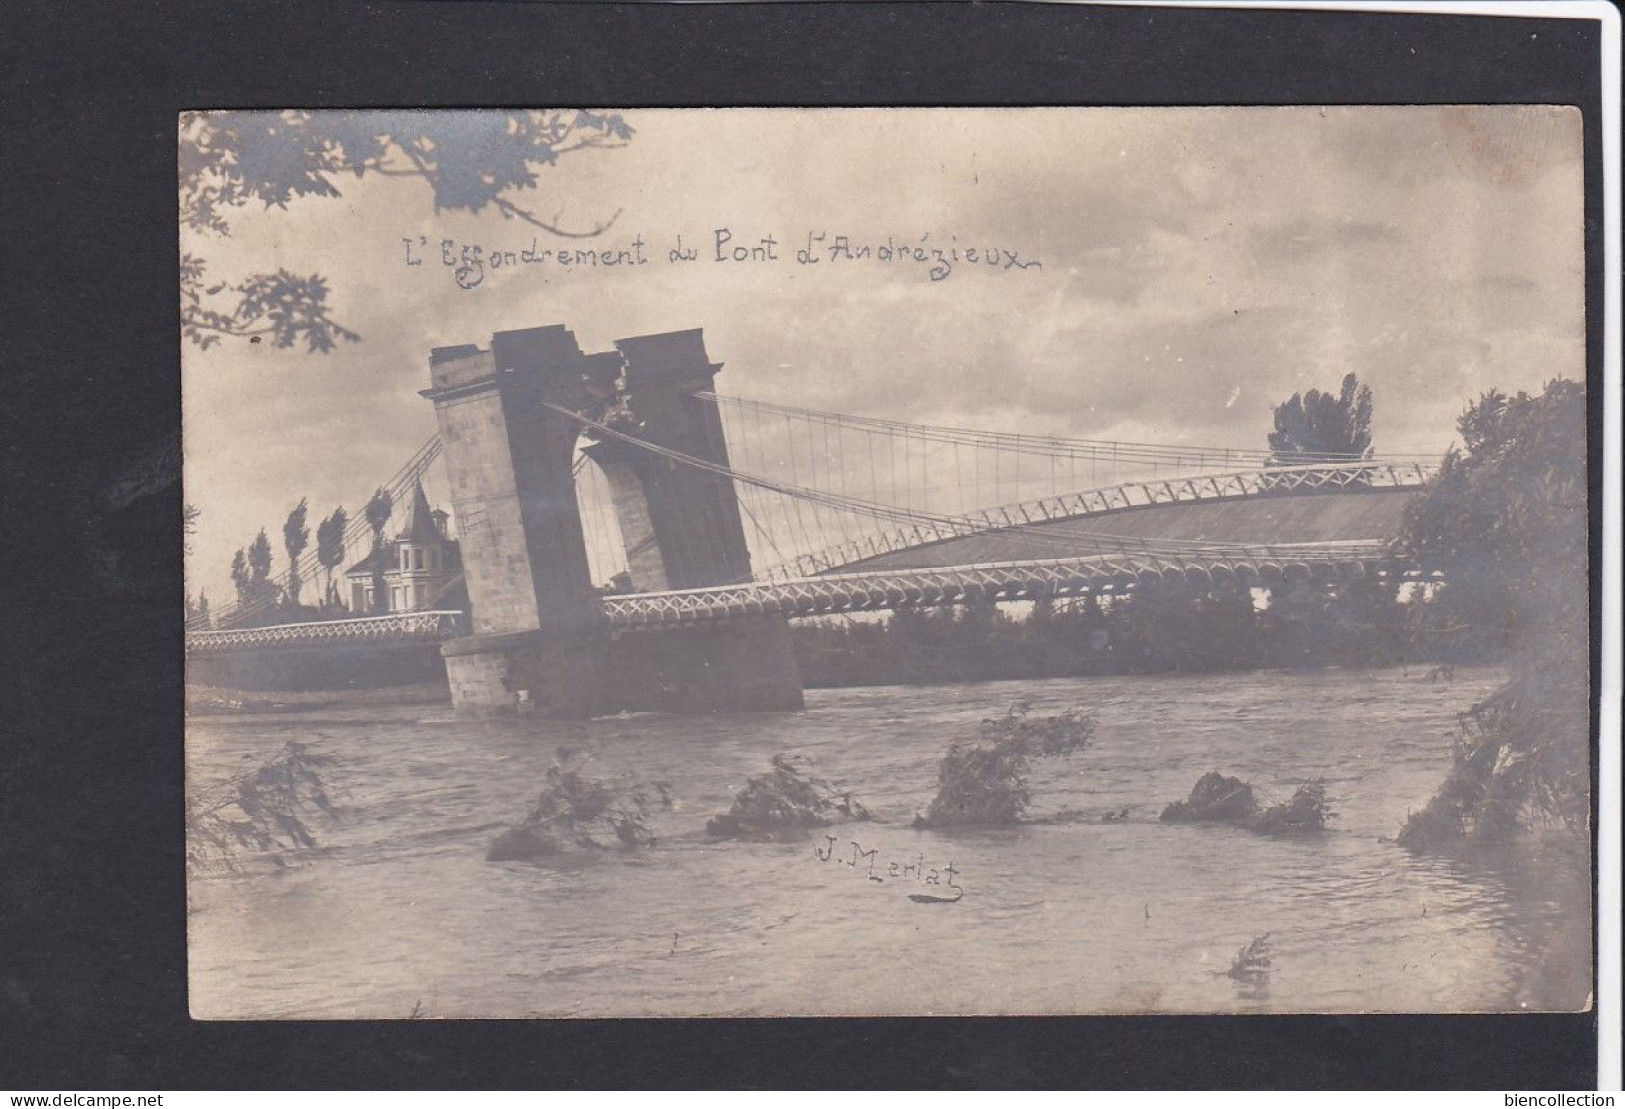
873,590
1338,517
1112,517
1317,520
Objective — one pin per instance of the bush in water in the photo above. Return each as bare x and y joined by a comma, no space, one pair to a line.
986,783
1229,800
1216,799
1251,966
578,812
1306,812
267,811
785,802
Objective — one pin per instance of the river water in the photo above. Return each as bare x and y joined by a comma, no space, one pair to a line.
401,912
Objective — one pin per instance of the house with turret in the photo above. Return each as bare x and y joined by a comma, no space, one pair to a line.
418,568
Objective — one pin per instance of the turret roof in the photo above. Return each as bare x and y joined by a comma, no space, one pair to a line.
418,526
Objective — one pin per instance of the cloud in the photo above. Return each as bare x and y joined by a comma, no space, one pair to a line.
1197,265
1307,239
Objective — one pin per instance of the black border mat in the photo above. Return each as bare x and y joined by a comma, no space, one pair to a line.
92,910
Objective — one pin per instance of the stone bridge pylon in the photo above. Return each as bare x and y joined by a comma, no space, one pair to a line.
540,641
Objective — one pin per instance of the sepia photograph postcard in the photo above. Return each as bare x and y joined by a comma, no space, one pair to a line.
680,562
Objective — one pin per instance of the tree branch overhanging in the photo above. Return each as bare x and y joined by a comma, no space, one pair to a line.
469,160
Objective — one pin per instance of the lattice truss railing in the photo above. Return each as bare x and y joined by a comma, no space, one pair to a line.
881,590
426,626
1095,502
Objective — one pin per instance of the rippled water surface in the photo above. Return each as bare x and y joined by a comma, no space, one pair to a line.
403,913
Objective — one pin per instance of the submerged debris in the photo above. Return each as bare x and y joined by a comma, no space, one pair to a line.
986,783
785,802
1217,799
575,812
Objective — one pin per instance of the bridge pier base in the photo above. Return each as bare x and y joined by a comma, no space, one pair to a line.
556,676
746,665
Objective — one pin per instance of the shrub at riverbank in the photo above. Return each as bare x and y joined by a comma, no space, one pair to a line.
1505,523
1521,760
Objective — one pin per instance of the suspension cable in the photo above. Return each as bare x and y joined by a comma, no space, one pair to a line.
1024,443
1058,534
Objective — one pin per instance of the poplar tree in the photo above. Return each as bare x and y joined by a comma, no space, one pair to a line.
1322,427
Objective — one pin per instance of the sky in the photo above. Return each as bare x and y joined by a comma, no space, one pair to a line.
1195,266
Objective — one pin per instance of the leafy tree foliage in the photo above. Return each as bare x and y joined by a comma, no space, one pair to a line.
330,544
267,812
985,783
251,573
1161,626
1320,427
295,538
240,577
1505,522
471,161
578,812
197,613
378,511
259,559
1181,626
379,508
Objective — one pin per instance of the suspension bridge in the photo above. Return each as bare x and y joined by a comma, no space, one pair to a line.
600,496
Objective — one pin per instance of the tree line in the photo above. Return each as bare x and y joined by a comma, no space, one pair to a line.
1158,627
263,597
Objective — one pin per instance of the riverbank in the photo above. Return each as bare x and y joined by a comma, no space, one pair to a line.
207,700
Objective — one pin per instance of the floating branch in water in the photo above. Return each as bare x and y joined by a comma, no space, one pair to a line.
1251,966
786,801
986,783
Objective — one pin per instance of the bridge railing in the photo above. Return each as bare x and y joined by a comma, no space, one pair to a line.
431,625
881,589
1277,480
